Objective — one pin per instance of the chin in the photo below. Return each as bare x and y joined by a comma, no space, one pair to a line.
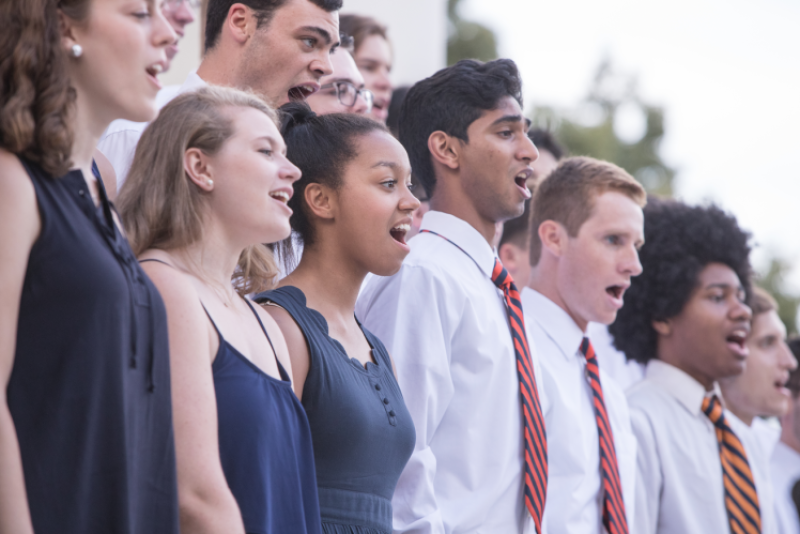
144,112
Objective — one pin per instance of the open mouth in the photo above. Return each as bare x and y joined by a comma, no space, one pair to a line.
615,292
736,342
521,180
301,92
281,196
155,69
399,233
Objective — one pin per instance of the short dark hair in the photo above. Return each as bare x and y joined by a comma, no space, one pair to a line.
217,12
680,241
321,146
450,101
361,27
395,104
544,140
516,230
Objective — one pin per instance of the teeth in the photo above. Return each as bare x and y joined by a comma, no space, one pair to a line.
157,68
283,196
402,228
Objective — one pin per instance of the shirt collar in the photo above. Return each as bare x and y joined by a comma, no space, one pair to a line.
555,322
680,385
193,82
462,234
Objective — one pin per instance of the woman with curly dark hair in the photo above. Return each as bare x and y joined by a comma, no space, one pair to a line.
86,441
686,317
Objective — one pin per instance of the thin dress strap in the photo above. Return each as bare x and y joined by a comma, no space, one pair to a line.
274,353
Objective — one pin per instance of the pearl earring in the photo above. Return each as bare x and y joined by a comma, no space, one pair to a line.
210,183
76,51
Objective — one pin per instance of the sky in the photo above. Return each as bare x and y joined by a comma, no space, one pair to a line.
726,72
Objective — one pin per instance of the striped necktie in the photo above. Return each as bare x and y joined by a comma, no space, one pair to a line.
535,489
614,518
741,499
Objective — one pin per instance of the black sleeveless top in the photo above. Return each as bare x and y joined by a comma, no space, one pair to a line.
264,444
89,391
363,433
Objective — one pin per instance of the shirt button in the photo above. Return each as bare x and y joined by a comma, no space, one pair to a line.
391,413
378,387
386,401
82,192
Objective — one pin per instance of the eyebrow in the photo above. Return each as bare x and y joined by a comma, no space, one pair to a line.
724,287
390,164
273,141
322,33
509,118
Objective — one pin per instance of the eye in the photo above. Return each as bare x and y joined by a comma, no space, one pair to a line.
506,134
389,184
411,186
266,151
309,42
613,240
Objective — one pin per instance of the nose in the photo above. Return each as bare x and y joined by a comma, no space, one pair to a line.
408,202
788,360
740,311
322,65
184,14
361,106
631,264
288,170
527,150
382,81
161,33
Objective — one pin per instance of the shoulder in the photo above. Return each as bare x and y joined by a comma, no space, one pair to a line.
176,288
293,335
17,193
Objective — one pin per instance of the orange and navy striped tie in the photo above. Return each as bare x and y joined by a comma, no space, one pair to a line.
535,468
614,518
741,498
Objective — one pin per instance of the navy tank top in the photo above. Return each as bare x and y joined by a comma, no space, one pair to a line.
363,433
265,445
89,391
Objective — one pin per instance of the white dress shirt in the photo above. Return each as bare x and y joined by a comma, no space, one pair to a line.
118,142
758,456
574,498
624,372
446,325
679,475
785,467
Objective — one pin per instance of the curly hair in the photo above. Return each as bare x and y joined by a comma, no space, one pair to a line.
680,241
36,98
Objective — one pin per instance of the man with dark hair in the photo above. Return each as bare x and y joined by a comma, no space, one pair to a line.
686,317
785,461
277,48
586,229
480,461
513,246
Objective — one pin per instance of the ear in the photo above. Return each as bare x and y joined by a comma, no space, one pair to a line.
663,328
554,237
198,168
67,29
241,23
445,149
321,201
512,256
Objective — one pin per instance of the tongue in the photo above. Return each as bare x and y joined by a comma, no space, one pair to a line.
398,236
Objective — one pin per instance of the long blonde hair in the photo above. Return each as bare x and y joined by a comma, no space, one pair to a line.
160,207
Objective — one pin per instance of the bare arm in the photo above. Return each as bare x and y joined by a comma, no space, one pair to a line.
19,228
297,346
206,503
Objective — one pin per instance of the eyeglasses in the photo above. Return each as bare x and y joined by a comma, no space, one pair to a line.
169,6
347,94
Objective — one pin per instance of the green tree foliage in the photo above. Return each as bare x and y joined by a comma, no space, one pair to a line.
589,129
773,280
467,39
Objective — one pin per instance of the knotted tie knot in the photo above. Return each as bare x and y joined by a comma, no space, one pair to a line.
500,276
712,407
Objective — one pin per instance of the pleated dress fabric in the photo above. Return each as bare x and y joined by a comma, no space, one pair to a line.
363,434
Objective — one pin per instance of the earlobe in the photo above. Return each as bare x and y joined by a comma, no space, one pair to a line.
444,149
663,328
196,166
241,22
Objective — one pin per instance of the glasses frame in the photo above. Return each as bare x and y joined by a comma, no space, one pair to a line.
365,93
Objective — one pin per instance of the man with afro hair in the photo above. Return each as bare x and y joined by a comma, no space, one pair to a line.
687,319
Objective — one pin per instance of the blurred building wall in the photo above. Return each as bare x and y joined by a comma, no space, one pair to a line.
417,28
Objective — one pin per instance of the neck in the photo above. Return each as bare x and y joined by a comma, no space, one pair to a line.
677,357
543,280
454,201
789,434
88,129
744,417
329,278
217,68
211,259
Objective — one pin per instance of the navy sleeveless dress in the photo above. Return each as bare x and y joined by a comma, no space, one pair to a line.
265,445
363,433
89,391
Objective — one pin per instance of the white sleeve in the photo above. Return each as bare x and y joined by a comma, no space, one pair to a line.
119,147
415,317
649,478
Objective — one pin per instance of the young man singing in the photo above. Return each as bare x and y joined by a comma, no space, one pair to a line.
451,317
586,229
686,317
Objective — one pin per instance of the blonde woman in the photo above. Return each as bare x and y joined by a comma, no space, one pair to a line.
209,183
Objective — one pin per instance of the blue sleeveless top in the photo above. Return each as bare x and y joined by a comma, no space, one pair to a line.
363,433
265,445
89,391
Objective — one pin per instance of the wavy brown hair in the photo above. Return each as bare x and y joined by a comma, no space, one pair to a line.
160,207
37,100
